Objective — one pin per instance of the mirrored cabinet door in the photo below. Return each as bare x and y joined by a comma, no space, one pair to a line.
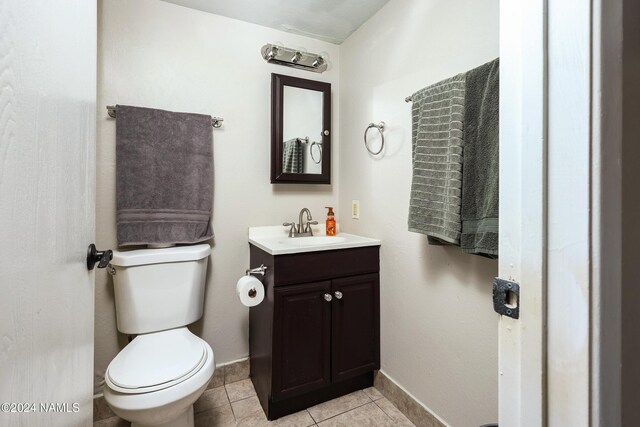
300,130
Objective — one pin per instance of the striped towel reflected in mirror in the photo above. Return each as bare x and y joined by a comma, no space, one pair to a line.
293,156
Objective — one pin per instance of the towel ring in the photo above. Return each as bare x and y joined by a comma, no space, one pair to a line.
319,145
380,128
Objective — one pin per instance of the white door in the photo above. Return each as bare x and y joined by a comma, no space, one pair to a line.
551,209
47,186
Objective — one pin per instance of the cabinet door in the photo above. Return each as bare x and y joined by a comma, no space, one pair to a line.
302,339
355,326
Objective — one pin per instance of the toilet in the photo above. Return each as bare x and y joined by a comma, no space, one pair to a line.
157,377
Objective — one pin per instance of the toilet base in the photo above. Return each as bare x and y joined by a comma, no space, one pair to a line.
184,420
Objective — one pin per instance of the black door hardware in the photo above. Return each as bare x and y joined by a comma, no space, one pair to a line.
101,258
506,297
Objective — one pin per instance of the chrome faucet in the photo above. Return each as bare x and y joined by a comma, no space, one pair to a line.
300,229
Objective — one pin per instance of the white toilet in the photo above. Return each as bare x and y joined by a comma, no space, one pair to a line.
157,377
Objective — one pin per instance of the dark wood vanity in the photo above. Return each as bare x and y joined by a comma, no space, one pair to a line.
316,335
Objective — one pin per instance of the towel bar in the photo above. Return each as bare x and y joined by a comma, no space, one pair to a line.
216,122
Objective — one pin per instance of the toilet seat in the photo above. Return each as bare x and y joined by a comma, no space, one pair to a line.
156,361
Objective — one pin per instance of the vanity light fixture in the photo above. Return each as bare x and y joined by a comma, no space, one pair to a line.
272,53
294,58
318,62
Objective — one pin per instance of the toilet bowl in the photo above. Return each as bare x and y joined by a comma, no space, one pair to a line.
157,377
139,390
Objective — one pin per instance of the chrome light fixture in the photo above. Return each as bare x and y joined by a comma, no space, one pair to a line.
294,58
272,53
318,62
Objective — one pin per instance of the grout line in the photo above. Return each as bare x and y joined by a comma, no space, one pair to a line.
244,398
348,410
235,419
370,400
229,400
385,412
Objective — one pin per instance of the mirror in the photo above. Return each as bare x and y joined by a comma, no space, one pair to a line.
300,130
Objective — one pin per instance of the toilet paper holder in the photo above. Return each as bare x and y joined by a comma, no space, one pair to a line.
258,270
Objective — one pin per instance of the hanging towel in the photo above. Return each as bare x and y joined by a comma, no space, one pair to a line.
437,116
164,176
292,159
480,169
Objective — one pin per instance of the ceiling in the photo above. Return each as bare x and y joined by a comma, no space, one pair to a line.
329,20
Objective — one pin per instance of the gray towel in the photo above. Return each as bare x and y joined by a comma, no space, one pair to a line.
164,176
436,186
293,156
479,210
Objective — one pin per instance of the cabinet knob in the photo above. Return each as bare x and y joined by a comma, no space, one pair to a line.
338,294
328,297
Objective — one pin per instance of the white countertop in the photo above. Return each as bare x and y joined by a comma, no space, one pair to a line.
275,240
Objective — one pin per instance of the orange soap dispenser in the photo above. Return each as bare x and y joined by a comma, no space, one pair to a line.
331,222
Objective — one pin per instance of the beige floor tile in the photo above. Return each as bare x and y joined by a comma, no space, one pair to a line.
373,393
111,422
218,377
218,417
101,409
236,371
299,419
246,408
394,413
369,415
337,406
212,398
240,390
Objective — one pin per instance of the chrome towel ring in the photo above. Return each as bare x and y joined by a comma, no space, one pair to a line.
380,127
319,145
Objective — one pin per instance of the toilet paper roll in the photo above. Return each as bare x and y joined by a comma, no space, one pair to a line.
250,291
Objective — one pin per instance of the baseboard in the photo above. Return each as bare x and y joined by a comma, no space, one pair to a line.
225,373
417,413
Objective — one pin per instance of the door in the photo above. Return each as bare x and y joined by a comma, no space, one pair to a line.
47,159
355,326
546,212
302,340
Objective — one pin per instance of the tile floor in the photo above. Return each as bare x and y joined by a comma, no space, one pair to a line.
236,404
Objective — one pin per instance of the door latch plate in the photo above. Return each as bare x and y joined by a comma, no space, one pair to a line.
506,297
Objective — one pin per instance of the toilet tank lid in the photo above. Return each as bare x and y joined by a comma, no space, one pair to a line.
157,256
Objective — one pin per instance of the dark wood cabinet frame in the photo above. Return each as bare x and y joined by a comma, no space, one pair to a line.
278,82
305,350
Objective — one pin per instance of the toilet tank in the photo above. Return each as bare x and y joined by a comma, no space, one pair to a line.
158,289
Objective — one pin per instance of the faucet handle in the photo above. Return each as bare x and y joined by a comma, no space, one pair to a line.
308,228
292,229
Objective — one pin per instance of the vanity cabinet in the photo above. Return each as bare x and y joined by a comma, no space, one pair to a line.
316,335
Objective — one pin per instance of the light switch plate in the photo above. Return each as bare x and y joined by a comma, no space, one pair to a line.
355,209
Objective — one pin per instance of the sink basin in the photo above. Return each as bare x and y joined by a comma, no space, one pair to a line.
313,240
274,241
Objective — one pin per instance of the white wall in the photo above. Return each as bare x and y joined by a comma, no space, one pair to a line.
156,54
438,327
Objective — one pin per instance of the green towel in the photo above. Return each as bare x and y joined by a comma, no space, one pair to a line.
480,169
434,206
